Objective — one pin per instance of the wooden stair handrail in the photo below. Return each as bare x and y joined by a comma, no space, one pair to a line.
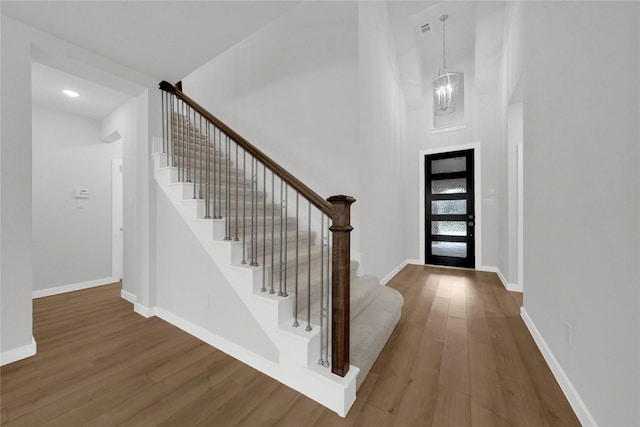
294,182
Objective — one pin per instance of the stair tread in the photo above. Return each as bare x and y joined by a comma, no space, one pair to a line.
371,329
303,257
364,289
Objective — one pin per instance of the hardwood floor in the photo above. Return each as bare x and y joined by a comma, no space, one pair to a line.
459,356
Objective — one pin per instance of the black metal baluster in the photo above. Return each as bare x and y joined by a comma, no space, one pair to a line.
227,186
322,325
207,194
308,328
280,292
264,217
295,300
328,296
244,207
235,238
254,219
273,207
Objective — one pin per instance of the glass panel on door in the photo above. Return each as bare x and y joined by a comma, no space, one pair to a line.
449,164
449,228
449,186
449,249
450,207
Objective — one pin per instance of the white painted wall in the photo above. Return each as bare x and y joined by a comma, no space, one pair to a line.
16,263
15,190
582,244
71,245
291,89
190,285
382,157
510,128
318,90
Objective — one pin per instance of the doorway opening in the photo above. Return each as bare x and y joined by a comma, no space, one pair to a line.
449,206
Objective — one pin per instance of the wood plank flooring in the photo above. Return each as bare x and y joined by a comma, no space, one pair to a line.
460,356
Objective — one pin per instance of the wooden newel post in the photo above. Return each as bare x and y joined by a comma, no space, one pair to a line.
340,284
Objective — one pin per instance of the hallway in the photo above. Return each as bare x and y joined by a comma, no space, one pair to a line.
460,355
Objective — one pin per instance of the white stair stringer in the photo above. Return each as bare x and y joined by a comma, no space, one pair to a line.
299,350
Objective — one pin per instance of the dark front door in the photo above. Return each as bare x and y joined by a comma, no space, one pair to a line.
450,217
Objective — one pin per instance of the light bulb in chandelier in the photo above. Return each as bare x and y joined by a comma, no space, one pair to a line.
445,85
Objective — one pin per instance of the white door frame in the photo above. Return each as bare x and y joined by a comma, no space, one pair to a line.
117,237
475,146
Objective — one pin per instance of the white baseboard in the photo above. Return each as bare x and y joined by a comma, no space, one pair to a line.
213,340
145,311
139,308
73,287
489,268
128,296
393,272
386,279
579,407
312,382
19,353
513,287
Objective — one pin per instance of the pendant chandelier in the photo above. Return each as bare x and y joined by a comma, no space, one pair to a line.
445,85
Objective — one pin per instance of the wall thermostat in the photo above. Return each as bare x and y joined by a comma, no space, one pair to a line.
81,193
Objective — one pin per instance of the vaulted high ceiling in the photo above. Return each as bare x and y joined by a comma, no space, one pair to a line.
162,39
167,40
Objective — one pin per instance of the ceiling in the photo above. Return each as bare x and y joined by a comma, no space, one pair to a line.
95,101
469,37
132,33
189,33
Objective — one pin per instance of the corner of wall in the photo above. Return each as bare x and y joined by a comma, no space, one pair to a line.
128,296
512,287
386,279
143,310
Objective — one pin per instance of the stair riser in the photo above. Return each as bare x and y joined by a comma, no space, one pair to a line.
200,160
302,260
243,209
303,266
220,231
220,234
303,274
220,193
221,172
267,248
216,184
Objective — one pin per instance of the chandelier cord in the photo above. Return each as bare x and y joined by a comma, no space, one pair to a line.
444,59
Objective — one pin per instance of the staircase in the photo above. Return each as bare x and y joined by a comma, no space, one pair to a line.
283,249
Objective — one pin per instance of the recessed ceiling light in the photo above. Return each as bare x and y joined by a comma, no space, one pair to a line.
71,93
